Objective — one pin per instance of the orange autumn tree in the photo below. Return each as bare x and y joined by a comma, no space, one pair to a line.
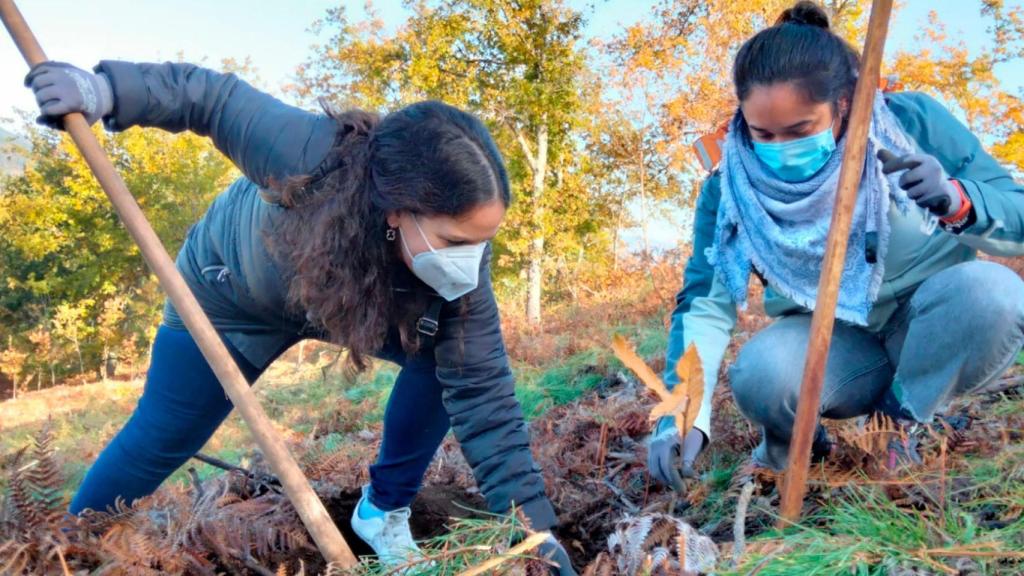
942,65
678,63
681,56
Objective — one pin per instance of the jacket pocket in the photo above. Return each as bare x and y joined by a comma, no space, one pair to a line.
216,273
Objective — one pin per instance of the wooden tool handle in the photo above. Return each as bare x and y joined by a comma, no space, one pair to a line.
325,533
835,257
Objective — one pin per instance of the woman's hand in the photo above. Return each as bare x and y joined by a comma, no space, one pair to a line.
669,459
925,182
61,89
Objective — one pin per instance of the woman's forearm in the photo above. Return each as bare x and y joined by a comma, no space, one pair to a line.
266,138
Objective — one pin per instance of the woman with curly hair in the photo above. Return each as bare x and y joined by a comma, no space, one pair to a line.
370,233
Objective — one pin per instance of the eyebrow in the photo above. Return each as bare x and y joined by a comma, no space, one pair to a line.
457,239
464,239
799,124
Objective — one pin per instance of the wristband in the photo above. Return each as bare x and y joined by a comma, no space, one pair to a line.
960,217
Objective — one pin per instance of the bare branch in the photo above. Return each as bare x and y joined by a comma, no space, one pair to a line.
527,151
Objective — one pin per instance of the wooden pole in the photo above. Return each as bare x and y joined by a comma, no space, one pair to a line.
823,321
323,530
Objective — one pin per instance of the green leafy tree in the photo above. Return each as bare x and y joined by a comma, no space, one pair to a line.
516,64
66,261
12,365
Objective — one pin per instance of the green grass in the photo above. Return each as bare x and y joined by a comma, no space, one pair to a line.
865,533
860,530
468,543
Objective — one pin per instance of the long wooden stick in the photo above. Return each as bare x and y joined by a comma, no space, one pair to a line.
823,321
325,533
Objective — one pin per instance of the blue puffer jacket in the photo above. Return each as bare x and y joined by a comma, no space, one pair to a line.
225,262
705,314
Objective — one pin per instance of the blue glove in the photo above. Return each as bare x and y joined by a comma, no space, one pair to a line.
669,460
62,89
552,551
925,182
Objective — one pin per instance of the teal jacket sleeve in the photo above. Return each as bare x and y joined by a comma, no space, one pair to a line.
698,275
998,199
267,139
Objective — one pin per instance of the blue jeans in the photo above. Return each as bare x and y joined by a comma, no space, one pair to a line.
182,405
961,329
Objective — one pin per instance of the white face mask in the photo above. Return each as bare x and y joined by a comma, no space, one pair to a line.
453,271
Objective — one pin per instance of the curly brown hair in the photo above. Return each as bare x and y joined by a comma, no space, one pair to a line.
427,159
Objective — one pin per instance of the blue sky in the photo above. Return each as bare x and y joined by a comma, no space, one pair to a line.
275,34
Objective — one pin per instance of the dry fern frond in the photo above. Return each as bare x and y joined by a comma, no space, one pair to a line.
873,436
45,478
32,519
659,544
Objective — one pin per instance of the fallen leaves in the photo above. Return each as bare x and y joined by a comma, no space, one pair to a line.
681,403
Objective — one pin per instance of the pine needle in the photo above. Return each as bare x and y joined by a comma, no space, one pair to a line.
516,551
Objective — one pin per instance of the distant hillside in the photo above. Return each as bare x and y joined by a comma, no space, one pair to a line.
12,160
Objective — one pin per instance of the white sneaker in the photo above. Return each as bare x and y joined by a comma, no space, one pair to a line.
389,536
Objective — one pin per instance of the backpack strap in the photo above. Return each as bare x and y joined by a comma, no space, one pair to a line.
430,322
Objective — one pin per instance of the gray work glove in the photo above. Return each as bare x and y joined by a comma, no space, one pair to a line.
61,89
552,551
925,182
669,460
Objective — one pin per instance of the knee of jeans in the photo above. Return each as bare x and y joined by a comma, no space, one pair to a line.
991,295
1006,296
764,381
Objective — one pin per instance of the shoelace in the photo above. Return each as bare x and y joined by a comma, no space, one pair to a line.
396,530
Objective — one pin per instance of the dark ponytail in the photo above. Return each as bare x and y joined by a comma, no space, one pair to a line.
800,48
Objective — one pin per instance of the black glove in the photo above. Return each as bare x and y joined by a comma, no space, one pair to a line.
61,89
552,551
925,182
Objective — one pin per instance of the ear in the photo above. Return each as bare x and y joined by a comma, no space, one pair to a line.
393,219
844,107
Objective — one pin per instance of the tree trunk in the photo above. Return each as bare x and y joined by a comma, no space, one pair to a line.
643,207
104,363
615,236
110,366
535,271
78,350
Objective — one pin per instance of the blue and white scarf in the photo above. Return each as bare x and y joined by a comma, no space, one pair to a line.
780,228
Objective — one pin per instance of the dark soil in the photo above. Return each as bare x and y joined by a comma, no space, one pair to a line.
432,511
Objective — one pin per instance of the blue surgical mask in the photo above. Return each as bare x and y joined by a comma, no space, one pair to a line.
453,271
797,160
